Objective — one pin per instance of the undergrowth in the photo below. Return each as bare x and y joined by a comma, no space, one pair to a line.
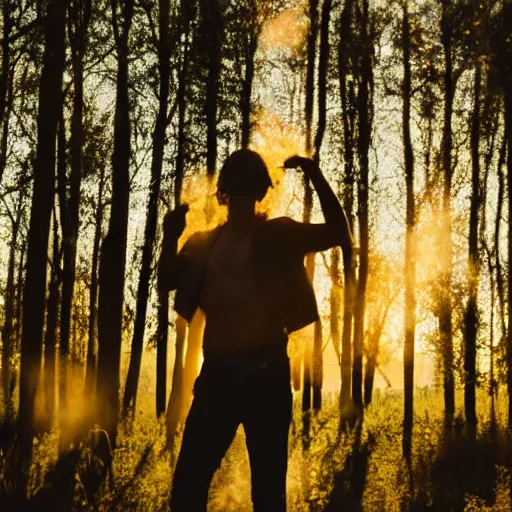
341,466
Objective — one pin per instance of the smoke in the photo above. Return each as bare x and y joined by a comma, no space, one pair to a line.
275,141
287,31
78,409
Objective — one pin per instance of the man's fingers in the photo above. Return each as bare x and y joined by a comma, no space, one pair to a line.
295,161
292,162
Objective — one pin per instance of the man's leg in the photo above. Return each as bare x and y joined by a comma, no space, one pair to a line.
266,422
209,430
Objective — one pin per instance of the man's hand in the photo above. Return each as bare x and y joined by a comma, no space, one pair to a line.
175,222
306,164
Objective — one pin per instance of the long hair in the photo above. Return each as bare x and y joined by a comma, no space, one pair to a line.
244,173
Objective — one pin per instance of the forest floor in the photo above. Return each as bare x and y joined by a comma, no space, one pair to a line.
359,468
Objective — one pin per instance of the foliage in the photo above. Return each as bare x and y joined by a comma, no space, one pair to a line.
358,467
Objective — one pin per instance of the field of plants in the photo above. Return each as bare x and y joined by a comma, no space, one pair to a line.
356,467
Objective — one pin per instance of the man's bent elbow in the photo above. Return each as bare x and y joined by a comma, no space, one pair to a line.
167,280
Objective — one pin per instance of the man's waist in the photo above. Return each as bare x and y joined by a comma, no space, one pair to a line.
268,352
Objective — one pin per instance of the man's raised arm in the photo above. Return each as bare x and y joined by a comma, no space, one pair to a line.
335,231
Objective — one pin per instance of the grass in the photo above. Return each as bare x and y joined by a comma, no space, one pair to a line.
349,468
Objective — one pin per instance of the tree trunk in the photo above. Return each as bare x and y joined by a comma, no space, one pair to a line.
365,109
508,131
500,284
8,334
52,317
493,256
50,336
445,310
69,200
6,82
322,77
20,282
492,356
16,345
113,249
335,302
161,354
6,56
308,202
90,371
50,107
251,44
130,392
322,115
410,256
182,111
471,313
369,377
346,94
296,356
212,18
310,73
346,335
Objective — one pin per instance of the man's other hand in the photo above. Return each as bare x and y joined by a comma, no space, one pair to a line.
175,222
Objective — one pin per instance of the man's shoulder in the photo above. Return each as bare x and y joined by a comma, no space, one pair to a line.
278,224
279,230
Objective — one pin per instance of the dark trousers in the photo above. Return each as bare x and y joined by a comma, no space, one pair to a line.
257,395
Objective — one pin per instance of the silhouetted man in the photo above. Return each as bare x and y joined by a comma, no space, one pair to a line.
248,277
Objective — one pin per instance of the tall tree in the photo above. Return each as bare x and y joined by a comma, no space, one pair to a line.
410,256
491,117
445,310
50,107
504,52
79,16
212,26
54,299
312,10
508,129
252,25
347,99
51,333
471,312
335,302
6,80
8,331
323,62
162,121
90,370
113,248
500,285
364,115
